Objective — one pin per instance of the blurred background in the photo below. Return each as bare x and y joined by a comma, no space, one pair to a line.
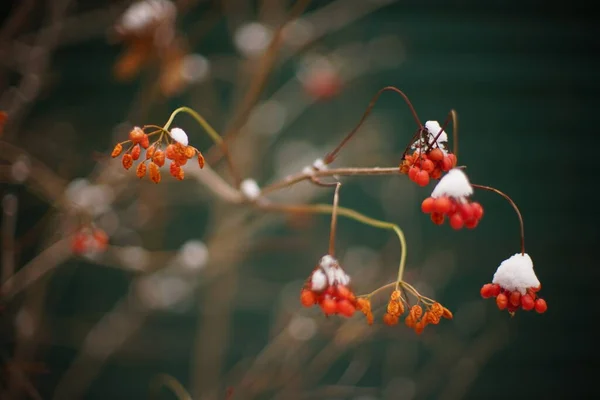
194,290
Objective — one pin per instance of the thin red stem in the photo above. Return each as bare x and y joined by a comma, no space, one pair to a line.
512,203
330,157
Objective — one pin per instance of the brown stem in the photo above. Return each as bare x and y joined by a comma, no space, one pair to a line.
435,139
512,203
293,179
330,157
455,131
336,200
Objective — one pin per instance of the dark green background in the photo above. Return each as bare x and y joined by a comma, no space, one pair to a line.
523,78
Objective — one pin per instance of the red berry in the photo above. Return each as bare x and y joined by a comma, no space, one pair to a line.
442,205
437,218
436,174
495,290
465,211
428,166
541,306
477,210
501,301
345,308
307,298
427,205
422,178
456,221
527,302
486,291
436,155
515,298
452,159
171,152
471,223
136,135
446,164
328,306
537,289
343,292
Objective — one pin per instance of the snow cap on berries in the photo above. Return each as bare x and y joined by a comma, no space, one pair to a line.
454,184
434,128
328,273
516,273
179,136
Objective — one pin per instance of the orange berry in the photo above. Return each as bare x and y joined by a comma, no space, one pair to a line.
362,304
395,295
393,308
527,302
307,298
171,152
502,301
390,320
145,142
495,290
446,164
442,205
428,166
412,173
436,155
154,173
420,326
466,211
477,210
150,152
437,218
486,291
328,306
453,160
515,298
541,306
456,221
136,134
422,178
200,160
447,314
127,161
437,309
117,150
436,174
427,205
416,312
174,169
345,308
159,158
190,151
141,170
343,292
136,151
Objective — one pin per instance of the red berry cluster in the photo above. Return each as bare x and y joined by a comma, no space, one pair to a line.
336,299
89,240
421,166
513,300
155,157
460,213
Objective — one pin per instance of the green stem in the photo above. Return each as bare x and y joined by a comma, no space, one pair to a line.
349,213
213,135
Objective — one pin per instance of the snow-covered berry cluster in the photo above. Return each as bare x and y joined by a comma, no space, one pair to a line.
515,286
177,150
328,286
450,198
430,156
